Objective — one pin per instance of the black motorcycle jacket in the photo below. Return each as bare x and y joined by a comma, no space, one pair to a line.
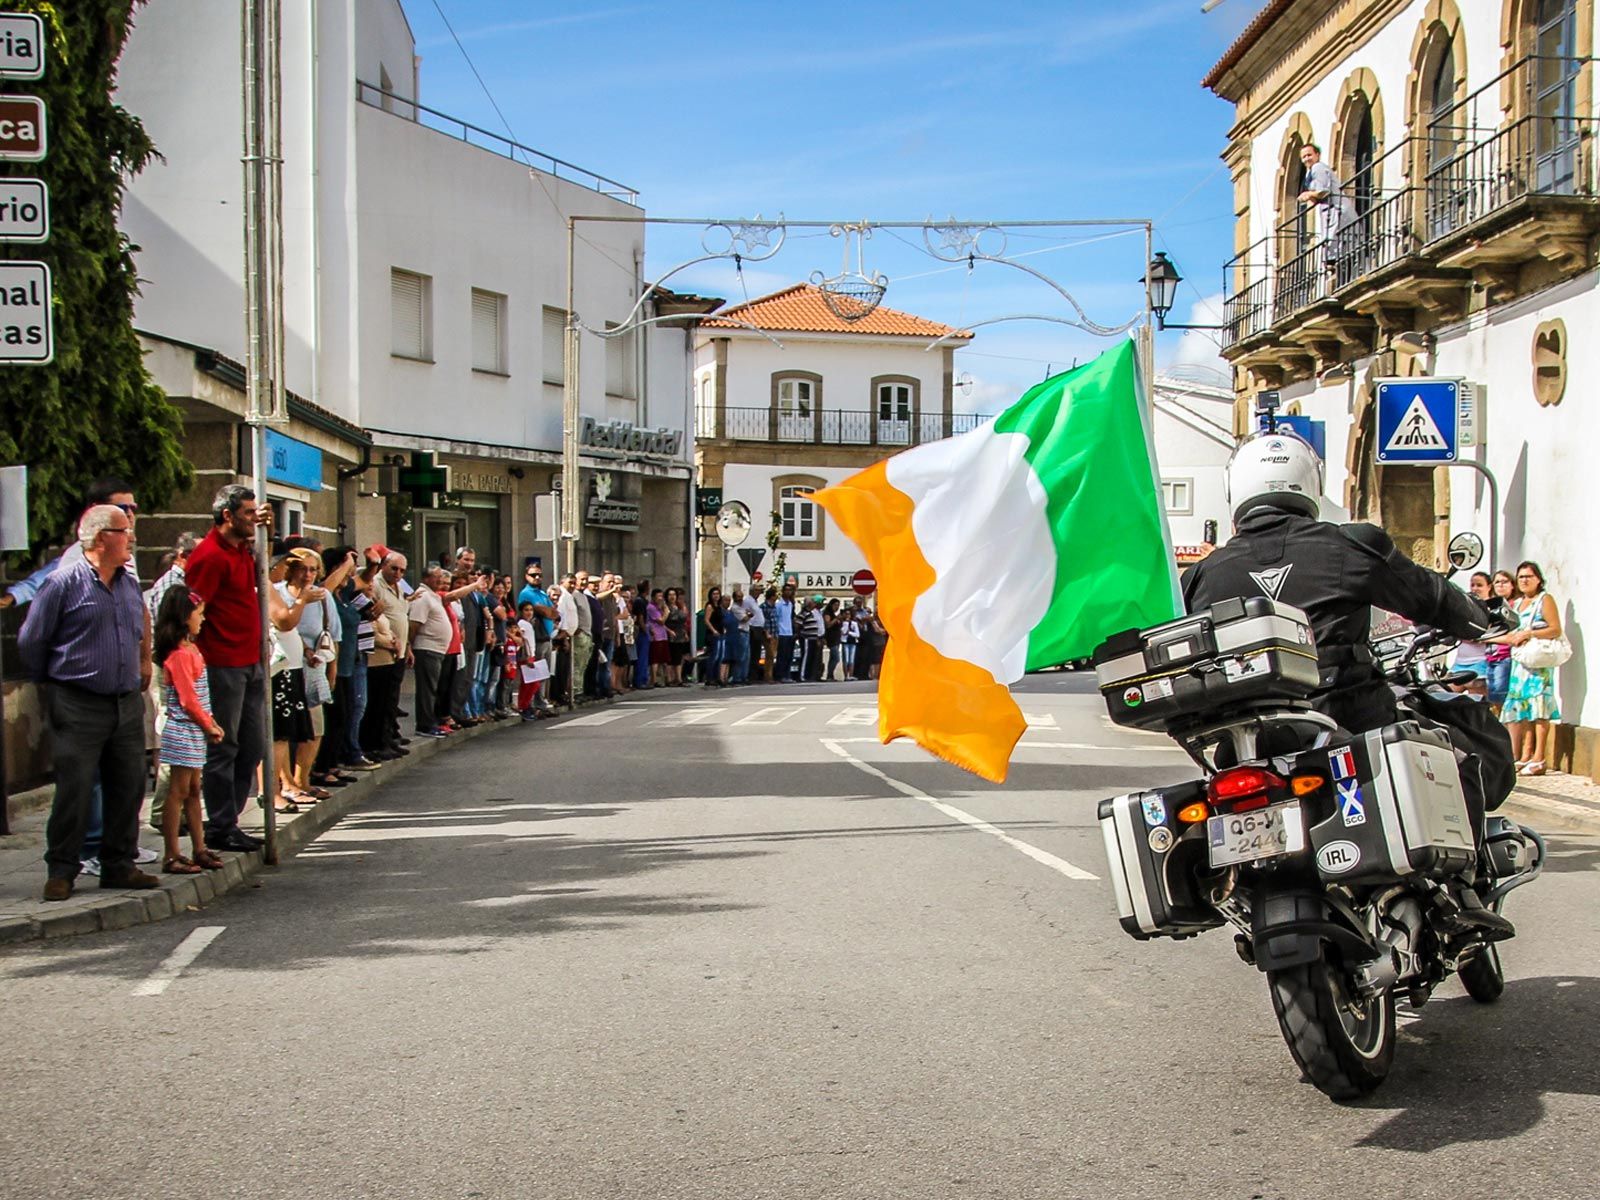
1337,574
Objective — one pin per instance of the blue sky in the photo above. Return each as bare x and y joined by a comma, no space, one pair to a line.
1076,109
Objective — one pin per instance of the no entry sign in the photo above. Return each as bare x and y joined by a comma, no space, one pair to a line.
863,583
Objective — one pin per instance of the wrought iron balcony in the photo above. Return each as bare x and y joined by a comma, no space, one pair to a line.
1471,177
830,426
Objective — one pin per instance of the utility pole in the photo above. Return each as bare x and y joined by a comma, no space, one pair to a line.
263,312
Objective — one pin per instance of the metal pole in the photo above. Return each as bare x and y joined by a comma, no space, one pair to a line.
570,500
263,250
1494,505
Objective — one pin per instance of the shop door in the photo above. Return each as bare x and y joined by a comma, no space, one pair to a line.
439,533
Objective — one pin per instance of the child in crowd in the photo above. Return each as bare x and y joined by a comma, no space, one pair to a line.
190,726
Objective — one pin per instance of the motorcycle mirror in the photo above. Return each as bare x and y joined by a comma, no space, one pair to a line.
1465,551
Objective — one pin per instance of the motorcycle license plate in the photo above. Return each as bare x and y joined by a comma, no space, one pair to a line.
1267,832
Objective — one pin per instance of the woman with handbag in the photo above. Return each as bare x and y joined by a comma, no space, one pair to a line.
1538,647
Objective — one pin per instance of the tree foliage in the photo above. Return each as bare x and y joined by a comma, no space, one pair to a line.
95,410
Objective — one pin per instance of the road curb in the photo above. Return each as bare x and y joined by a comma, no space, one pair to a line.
1546,814
187,893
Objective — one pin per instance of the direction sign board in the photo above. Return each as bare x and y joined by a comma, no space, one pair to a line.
24,210
21,46
22,133
1419,420
26,329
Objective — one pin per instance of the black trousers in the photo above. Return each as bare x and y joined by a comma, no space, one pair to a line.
561,677
425,678
784,668
335,716
380,724
94,734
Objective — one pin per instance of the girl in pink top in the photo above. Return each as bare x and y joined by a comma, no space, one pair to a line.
190,727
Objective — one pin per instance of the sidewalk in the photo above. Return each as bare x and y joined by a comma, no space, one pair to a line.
25,917
1568,803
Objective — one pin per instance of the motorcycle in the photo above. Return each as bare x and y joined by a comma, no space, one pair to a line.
1345,863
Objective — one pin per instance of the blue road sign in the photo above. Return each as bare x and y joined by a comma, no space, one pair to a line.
1418,420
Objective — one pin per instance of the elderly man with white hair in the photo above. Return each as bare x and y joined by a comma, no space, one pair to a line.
82,639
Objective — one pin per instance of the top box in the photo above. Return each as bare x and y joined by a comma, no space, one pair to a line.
21,46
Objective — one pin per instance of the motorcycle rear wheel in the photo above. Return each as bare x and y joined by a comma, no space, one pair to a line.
1483,976
1344,1044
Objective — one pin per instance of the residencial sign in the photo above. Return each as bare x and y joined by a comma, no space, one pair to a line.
1419,421
630,438
26,328
294,462
22,135
21,46
24,210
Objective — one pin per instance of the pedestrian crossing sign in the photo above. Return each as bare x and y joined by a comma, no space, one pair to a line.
1419,420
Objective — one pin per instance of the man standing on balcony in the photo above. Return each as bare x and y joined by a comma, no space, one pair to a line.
1334,210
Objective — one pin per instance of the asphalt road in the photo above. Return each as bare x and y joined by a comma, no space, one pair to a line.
725,945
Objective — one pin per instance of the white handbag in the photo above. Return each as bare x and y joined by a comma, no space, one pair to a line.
1542,654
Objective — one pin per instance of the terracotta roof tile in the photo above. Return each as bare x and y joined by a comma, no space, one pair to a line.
801,309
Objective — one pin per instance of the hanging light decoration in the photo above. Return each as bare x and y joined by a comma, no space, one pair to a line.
851,295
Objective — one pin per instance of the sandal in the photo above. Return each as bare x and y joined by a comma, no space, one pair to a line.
315,793
209,859
1533,768
287,802
179,865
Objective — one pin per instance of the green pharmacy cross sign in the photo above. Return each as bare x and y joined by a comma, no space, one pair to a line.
423,481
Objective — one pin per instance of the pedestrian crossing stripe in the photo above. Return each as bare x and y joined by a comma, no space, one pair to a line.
1417,430
604,718
855,716
687,716
768,716
1040,720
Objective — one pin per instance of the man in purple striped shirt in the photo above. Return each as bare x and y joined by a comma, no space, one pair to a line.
83,639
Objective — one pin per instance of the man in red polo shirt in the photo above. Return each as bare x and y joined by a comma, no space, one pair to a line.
222,572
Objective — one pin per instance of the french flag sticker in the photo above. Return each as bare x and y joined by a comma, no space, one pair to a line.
1343,763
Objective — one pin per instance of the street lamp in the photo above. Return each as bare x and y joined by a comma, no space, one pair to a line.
1161,280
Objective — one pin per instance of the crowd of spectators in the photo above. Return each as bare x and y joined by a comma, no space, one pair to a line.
175,675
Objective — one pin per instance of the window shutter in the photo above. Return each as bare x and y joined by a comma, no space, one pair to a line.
406,325
619,365
486,354
555,354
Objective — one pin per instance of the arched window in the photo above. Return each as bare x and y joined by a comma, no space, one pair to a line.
796,402
1440,98
800,518
1554,87
1364,153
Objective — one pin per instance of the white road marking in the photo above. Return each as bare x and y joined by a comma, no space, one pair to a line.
172,966
1040,720
603,718
687,716
1027,744
1043,857
855,716
768,716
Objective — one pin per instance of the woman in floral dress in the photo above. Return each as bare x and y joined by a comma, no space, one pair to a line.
1531,697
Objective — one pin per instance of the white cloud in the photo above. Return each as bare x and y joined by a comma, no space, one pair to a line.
1198,347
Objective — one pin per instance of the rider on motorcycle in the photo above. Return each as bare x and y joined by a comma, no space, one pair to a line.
1337,574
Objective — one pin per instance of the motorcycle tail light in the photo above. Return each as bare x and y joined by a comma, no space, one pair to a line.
1241,789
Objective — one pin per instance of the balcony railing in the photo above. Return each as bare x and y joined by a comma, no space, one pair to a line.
831,426
474,135
1469,172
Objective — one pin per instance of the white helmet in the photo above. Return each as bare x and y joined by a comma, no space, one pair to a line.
1277,469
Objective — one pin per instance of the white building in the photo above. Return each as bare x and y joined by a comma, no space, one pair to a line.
1194,439
1463,132
777,422
425,290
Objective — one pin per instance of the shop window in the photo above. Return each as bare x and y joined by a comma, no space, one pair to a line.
410,315
488,332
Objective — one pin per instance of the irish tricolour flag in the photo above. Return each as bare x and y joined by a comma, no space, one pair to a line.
1022,544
